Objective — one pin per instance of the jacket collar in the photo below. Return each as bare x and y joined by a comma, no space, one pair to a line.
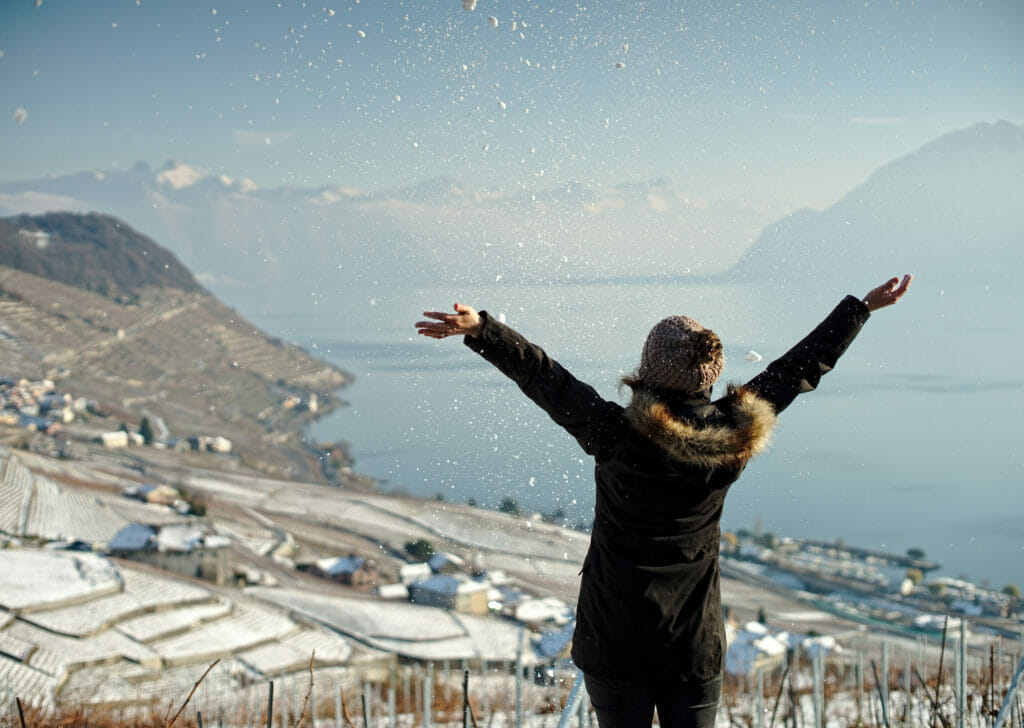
730,442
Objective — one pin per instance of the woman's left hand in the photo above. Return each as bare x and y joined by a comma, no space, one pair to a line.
464,322
888,293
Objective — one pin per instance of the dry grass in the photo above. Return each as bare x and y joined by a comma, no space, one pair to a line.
929,704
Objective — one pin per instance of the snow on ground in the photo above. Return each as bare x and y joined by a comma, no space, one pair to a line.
100,685
152,514
33,580
360,517
407,518
480,529
56,513
751,646
501,532
238,494
258,539
330,647
127,683
566,572
142,592
367,618
497,639
153,638
15,490
275,658
57,653
31,685
409,630
294,653
15,647
249,625
168,622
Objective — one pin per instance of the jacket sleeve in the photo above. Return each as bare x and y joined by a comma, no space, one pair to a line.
800,369
572,404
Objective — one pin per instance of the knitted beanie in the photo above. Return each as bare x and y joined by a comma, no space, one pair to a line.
681,354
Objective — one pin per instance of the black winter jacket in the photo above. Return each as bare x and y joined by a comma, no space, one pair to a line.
649,606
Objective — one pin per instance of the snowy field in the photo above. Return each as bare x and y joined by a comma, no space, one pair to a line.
78,625
77,628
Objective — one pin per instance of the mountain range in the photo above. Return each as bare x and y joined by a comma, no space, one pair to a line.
246,243
949,208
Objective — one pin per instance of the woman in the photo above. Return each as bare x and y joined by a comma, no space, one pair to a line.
649,628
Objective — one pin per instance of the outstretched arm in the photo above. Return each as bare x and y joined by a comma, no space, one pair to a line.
572,404
800,369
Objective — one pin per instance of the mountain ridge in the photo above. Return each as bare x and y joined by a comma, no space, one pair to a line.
953,199
93,252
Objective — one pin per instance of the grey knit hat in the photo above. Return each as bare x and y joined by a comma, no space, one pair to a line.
681,354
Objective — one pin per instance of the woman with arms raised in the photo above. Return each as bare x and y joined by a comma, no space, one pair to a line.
649,629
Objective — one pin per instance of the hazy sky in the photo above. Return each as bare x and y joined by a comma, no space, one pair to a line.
799,99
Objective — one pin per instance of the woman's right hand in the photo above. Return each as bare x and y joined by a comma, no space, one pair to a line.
464,322
888,293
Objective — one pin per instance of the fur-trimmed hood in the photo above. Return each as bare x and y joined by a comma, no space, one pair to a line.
710,445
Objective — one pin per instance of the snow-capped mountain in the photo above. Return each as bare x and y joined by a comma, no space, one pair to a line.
245,241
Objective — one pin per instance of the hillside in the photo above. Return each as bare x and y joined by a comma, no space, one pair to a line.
951,207
164,349
93,252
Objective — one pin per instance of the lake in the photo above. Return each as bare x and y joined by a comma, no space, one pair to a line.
909,443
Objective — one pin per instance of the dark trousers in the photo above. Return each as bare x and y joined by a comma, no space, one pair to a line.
622,704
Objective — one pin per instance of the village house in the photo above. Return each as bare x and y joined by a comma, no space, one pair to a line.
416,571
538,613
449,592
396,592
207,443
350,570
116,439
36,406
182,548
446,563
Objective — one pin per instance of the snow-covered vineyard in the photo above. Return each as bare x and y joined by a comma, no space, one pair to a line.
78,628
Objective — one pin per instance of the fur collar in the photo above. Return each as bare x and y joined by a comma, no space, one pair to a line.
716,445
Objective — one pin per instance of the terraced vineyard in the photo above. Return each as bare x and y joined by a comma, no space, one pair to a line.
181,356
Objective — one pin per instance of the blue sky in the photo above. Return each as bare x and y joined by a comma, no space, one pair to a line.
800,100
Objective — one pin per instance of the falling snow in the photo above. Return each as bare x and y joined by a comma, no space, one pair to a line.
516,148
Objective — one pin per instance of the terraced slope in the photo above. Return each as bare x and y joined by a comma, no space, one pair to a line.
179,355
